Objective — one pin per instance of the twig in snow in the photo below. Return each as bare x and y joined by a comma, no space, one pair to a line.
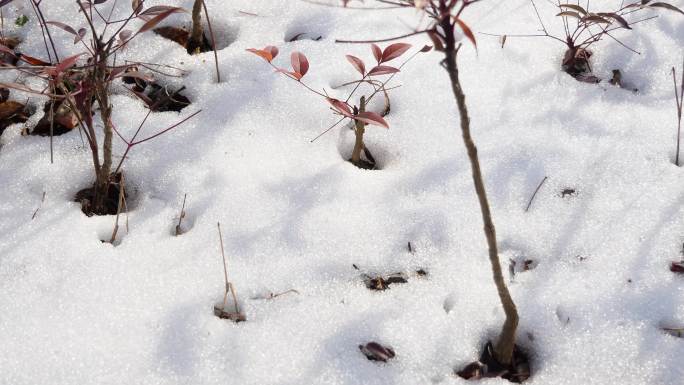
535,193
222,313
179,230
118,211
679,98
39,206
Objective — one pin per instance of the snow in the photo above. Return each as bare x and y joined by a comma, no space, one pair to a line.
296,215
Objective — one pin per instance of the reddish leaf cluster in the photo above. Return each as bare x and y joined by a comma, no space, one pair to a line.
300,67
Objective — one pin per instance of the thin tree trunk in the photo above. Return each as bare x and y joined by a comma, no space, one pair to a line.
102,183
359,131
503,349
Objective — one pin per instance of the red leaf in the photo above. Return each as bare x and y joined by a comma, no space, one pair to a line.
299,63
395,50
7,50
294,74
341,107
157,19
357,63
677,267
371,118
377,52
467,32
33,61
67,63
62,26
272,50
262,53
382,70
426,48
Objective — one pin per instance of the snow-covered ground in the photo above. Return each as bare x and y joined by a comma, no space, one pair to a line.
296,215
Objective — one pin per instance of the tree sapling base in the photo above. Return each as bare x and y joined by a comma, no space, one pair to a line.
487,366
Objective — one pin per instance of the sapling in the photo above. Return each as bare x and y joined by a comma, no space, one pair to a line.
679,98
221,311
501,358
179,229
583,28
357,113
80,86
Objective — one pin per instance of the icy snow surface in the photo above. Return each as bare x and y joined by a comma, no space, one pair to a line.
296,215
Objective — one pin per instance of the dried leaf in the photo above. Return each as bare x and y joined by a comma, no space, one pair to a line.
33,61
63,26
466,30
426,48
570,14
617,18
595,19
574,7
376,352
666,6
158,18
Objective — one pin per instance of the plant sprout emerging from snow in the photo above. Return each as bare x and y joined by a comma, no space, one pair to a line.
583,28
679,98
357,113
77,87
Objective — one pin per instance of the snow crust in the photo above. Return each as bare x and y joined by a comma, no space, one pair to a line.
296,215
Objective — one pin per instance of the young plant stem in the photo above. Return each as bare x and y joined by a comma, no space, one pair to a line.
679,98
229,286
179,230
503,349
213,42
118,210
358,131
195,42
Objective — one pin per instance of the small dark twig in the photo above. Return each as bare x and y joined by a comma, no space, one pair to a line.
179,230
213,42
118,210
529,204
39,206
679,98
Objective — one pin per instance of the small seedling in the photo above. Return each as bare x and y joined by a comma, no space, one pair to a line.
21,20
679,98
221,311
357,113
591,27
179,229
121,205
